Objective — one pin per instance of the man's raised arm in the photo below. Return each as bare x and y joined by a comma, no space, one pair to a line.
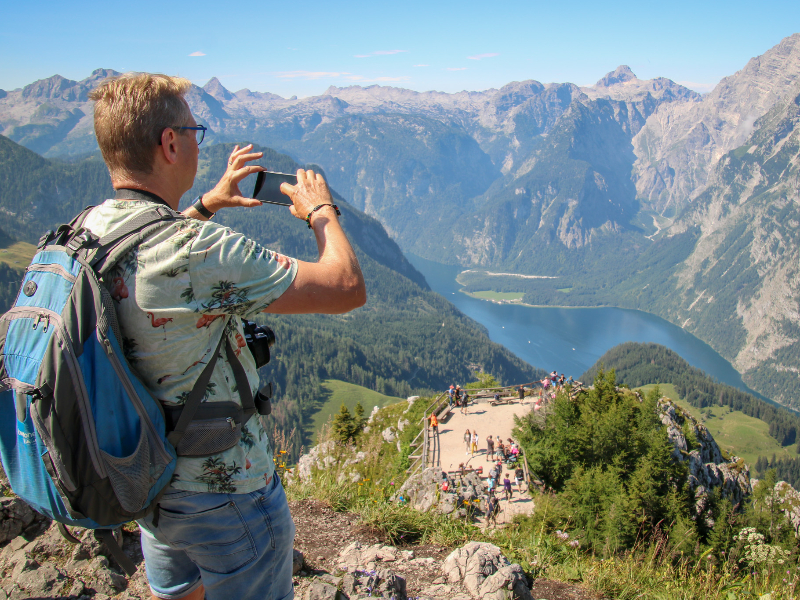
335,283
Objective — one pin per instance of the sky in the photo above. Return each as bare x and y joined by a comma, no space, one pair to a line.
300,49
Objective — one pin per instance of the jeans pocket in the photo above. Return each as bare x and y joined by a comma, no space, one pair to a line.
217,539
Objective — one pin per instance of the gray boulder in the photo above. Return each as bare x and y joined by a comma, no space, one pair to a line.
380,583
15,515
486,573
320,590
297,561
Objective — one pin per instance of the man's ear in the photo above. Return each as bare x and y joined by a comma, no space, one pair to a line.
169,146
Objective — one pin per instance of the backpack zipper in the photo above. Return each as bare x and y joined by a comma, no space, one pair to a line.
71,361
54,268
134,397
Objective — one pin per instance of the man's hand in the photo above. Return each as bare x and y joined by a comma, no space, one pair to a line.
334,284
226,193
310,191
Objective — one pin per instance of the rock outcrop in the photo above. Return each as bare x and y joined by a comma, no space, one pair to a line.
486,573
477,570
463,494
708,469
330,455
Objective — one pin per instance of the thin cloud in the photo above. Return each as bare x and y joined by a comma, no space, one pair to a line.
198,53
422,65
313,75
379,53
480,56
456,69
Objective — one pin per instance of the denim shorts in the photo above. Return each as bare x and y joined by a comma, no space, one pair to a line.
236,545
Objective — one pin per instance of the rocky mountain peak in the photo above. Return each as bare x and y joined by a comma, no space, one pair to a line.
622,74
98,76
217,90
52,87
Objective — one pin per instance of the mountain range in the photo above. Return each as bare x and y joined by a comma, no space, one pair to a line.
626,191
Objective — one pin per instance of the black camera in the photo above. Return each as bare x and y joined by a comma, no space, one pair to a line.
259,340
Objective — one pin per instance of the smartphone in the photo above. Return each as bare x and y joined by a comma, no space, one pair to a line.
268,187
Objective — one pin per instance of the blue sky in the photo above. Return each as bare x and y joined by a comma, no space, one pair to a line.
302,48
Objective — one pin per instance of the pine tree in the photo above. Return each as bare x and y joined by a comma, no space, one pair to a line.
343,426
359,419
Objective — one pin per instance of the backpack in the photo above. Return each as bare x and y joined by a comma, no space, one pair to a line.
81,438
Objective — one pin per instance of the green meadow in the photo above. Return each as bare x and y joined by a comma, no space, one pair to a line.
735,432
336,392
489,295
18,255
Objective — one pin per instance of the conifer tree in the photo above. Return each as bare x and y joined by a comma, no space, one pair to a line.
359,420
343,427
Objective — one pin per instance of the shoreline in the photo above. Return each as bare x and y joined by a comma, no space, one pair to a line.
520,303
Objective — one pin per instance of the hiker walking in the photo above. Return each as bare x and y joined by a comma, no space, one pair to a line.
519,475
492,508
507,487
468,440
474,447
434,423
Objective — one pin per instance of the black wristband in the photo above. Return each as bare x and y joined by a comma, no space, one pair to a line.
198,206
316,208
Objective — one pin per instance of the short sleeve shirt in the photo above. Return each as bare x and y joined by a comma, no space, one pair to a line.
176,294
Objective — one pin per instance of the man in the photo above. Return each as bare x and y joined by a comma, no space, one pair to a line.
489,449
521,391
519,475
223,528
492,508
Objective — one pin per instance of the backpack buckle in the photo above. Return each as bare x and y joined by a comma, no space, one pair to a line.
83,239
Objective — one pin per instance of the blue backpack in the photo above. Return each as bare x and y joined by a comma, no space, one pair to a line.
81,439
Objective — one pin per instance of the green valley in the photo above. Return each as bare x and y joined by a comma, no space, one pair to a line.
334,393
735,432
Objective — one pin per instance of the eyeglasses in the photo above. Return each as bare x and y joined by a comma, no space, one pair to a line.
200,132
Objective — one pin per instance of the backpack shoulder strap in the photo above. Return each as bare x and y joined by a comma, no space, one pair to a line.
107,251
195,397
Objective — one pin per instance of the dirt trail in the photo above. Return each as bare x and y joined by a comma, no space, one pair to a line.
486,420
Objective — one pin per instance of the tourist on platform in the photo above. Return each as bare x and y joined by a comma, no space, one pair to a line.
468,439
507,487
474,448
519,475
489,449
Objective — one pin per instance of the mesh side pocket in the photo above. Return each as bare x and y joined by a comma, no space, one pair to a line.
130,475
209,436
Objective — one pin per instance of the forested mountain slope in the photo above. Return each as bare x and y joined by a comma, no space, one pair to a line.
405,339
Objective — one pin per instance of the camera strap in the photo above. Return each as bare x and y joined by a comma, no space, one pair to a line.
195,398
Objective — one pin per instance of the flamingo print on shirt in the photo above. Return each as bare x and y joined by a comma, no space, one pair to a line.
119,290
162,322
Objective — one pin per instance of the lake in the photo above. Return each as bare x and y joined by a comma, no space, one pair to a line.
570,340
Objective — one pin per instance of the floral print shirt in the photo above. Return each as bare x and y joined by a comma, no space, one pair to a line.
176,294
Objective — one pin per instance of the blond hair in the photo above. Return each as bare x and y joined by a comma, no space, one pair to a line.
130,113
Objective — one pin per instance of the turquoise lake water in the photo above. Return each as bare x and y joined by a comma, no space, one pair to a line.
570,340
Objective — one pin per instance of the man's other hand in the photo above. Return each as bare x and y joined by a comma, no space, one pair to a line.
310,191
226,193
